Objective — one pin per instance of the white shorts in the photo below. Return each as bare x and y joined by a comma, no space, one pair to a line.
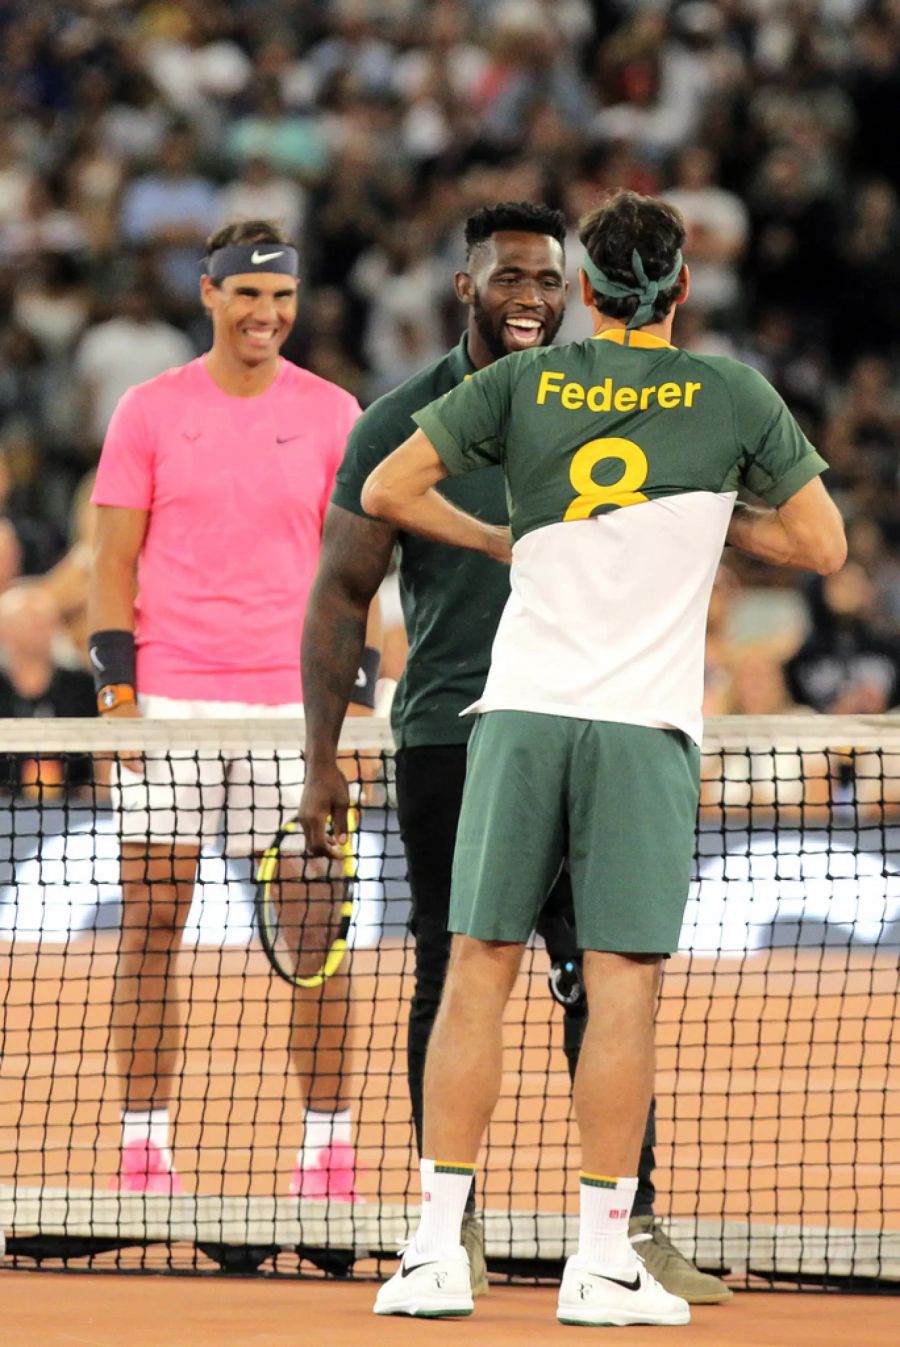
192,798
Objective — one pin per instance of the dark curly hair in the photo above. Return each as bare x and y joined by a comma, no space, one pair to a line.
629,221
520,217
246,231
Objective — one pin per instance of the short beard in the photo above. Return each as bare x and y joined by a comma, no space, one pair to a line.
492,333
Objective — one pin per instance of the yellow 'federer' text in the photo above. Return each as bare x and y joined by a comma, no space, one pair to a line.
606,397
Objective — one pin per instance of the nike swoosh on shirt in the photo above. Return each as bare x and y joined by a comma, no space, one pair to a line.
286,439
257,257
406,1271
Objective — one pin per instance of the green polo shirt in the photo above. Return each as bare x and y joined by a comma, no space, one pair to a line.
452,598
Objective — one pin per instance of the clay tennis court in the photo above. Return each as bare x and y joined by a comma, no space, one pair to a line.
776,1080
148,1312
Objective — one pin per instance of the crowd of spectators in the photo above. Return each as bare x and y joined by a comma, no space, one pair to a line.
130,129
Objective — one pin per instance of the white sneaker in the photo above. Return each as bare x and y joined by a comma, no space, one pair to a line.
429,1288
617,1299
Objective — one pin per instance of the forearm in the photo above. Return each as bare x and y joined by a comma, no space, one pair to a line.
334,636
111,597
434,517
762,534
401,490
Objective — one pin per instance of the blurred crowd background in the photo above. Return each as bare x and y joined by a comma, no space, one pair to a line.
130,129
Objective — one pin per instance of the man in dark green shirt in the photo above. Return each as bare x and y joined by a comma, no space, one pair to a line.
514,289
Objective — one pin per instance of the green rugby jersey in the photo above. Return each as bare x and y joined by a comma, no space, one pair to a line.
452,599
607,615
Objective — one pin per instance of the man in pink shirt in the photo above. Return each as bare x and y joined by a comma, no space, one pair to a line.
211,491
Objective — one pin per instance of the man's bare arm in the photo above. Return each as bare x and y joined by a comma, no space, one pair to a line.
401,490
806,531
118,540
112,586
353,562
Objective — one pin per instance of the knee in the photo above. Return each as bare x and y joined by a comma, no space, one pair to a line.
157,888
613,980
480,975
153,925
467,1016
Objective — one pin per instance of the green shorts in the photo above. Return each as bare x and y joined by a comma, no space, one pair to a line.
617,802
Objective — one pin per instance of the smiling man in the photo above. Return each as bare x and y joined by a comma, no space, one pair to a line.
513,287
212,488
514,290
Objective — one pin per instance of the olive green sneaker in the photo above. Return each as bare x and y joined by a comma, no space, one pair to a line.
473,1242
670,1268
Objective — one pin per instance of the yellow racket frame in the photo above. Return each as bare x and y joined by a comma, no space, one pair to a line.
265,908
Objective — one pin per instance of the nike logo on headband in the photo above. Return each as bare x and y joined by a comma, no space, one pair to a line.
237,259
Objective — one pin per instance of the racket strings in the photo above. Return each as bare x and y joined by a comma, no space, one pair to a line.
304,907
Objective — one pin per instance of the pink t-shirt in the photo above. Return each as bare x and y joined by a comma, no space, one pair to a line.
237,490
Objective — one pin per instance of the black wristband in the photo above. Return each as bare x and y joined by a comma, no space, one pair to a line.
112,658
363,693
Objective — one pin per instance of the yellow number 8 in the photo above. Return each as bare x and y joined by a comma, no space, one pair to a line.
591,494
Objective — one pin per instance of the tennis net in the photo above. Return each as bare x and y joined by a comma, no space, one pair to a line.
778,1083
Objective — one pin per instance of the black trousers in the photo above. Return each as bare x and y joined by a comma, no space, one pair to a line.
429,797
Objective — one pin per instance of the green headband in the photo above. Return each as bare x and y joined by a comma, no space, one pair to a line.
643,289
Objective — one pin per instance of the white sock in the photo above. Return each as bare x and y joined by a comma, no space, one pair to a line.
152,1125
445,1191
321,1130
603,1226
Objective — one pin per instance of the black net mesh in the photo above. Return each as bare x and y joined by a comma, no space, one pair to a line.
778,1086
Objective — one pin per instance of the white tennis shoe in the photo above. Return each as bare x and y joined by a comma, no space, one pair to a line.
617,1299
429,1288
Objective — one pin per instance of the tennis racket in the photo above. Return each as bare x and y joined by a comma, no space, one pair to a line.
297,912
